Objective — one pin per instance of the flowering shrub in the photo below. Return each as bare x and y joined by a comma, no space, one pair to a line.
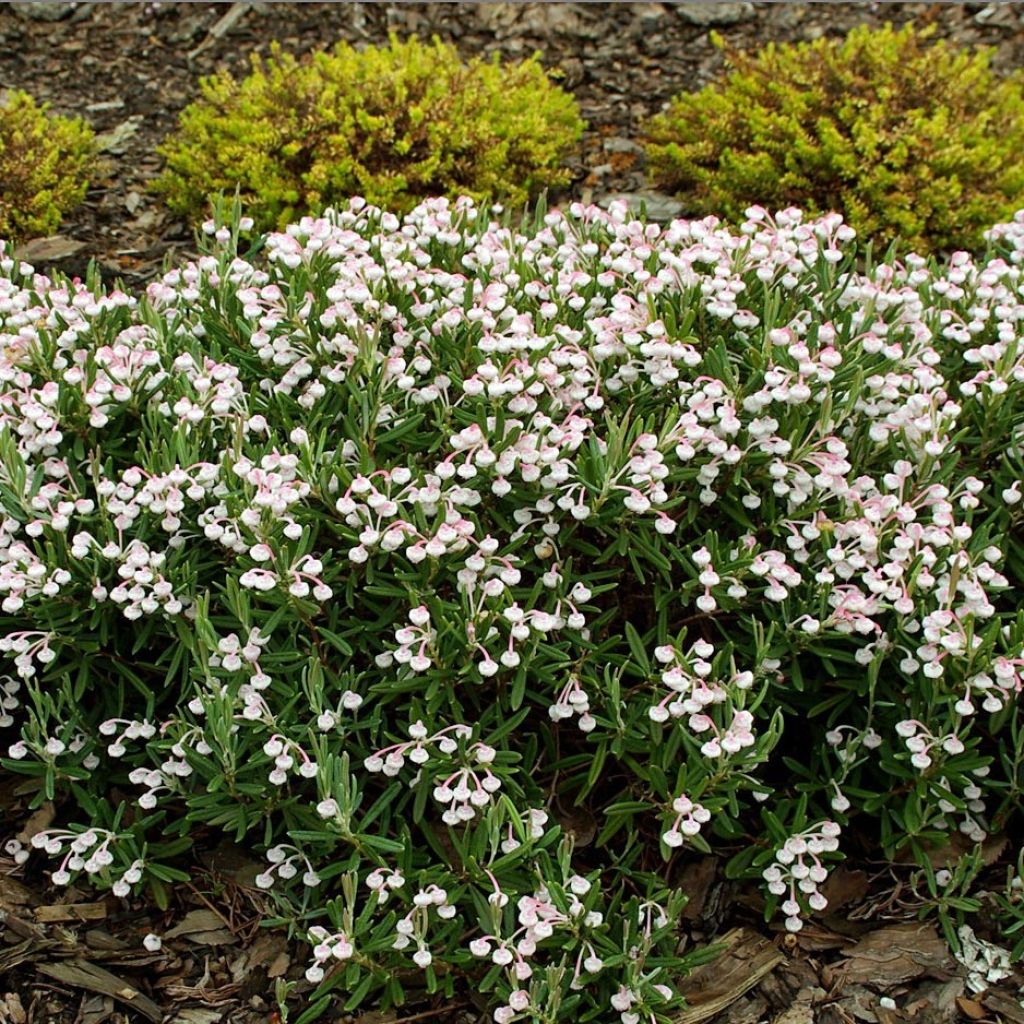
44,166
394,124
906,139
402,548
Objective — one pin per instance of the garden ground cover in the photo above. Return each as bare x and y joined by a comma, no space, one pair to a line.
869,939
66,937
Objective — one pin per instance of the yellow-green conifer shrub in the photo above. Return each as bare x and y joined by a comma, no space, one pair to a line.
903,136
393,124
44,165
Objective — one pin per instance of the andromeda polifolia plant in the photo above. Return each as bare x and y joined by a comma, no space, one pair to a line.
476,576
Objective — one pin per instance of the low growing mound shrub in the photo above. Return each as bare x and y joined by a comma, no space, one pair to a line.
478,576
44,166
905,138
394,124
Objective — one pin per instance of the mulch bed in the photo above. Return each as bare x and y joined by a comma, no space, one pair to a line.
73,956
130,68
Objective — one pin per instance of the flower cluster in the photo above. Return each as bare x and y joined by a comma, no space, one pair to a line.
285,863
540,916
690,817
799,871
91,852
326,948
463,791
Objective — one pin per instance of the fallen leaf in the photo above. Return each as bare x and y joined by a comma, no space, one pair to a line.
143,222
970,1008
578,823
268,948
25,787
264,948
197,1015
279,965
205,927
96,1010
950,853
201,920
232,862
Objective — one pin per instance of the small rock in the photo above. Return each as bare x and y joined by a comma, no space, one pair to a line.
788,16
617,144
1002,14
572,72
49,250
12,1008
659,206
95,108
144,222
538,19
709,13
114,140
42,10
132,201
648,16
